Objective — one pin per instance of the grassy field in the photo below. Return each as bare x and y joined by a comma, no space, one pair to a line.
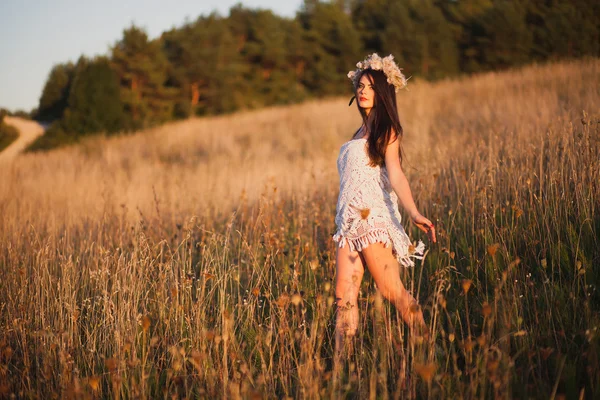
195,260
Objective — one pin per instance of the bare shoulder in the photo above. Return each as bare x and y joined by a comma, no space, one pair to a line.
392,153
394,140
393,137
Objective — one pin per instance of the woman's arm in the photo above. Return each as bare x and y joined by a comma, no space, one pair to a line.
402,188
398,179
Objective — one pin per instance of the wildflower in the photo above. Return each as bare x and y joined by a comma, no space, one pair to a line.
94,382
283,300
486,310
514,263
492,365
443,302
111,364
376,63
466,285
481,340
426,371
145,323
492,249
468,343
196,359
296,299
208,276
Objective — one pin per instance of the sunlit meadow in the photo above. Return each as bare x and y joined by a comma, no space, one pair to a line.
195,259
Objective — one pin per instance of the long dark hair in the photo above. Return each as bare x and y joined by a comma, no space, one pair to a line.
382,117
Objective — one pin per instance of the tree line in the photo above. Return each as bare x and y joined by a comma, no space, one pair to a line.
254,58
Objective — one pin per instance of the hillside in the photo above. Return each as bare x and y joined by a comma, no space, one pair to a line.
195,259
213,159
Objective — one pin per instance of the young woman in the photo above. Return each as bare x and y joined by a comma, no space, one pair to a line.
369,230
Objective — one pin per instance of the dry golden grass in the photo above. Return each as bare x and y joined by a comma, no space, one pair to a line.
195,259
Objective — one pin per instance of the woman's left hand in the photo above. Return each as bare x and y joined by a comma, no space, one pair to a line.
425,225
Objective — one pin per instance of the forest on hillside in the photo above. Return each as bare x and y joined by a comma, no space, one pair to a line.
254,58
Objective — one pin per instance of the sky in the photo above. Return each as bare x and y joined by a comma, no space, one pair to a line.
37,34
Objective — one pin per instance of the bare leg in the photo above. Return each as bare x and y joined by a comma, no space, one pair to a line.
349,273
385,269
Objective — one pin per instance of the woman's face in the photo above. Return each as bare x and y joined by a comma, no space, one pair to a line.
365,93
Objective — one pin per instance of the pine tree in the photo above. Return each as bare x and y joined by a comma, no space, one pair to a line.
563,29
142,69
464,18
94,103
202,55
506,39
264,43
333,45
422,38
415,32
93,106
53,100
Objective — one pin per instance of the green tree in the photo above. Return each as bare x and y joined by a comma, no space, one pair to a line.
297,60
333,45
420,38
371,19
142,69
272,55
94,103
415,32
204,66
506,39
464,18
93,106
53,100
563,29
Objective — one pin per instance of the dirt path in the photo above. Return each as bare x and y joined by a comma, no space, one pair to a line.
28,131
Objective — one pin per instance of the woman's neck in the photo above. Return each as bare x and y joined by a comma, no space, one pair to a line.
361,131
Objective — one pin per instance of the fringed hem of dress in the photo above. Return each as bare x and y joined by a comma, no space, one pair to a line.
404,257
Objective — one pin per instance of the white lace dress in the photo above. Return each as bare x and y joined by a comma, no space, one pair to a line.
367,207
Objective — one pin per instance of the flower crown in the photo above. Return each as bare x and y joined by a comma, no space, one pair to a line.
387,64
